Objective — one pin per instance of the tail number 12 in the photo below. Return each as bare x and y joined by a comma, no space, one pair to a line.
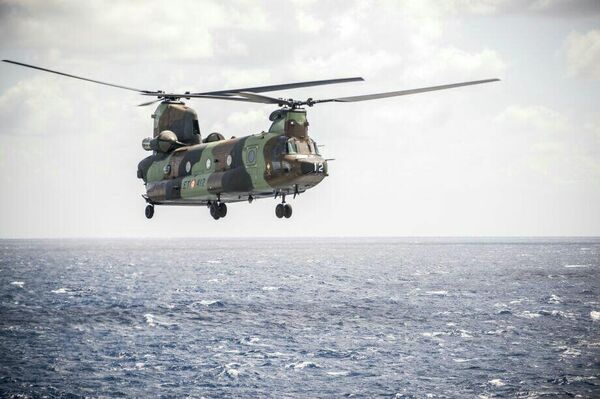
318,167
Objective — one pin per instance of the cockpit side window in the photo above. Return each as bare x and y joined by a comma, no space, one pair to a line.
280,148
315,147
291,147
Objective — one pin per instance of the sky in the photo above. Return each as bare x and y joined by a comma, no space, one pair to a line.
519,157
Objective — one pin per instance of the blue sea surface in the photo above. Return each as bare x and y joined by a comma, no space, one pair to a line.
399,318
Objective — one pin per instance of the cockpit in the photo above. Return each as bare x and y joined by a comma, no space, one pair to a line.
305,147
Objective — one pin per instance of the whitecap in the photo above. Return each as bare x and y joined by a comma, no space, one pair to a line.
559,313
60,291
338,373
461,360
252,341
517,301
231,370
270,288
554,299
433,334
440,293
233,373
19,284
529,315
570,352
497,382
575,266
149,319
303,365
465,334
595,315
214,261
209,302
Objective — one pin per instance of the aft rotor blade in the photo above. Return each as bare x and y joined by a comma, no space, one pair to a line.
260,89
149,102
76,77
403,92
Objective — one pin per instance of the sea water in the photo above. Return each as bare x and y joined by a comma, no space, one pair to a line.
299,317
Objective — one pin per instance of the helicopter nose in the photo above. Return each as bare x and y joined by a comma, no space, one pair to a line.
317,167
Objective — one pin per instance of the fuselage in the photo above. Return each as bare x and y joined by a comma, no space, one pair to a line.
284,160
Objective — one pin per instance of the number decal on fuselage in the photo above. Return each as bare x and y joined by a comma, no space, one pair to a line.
198,183
318,167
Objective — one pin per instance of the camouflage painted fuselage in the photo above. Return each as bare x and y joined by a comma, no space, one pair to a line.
284,160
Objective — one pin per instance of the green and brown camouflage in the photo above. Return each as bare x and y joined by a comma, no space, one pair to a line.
191,171
186,170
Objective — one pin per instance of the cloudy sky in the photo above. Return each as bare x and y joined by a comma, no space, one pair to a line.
514,158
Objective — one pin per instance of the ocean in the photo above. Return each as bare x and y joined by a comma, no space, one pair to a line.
300,317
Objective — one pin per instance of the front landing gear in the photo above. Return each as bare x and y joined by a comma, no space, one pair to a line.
218,210
149,211
283,209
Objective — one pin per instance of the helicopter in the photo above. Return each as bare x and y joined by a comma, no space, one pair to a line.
187,169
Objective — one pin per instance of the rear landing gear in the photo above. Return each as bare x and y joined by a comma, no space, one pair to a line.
283,209
149,211
279,211
218,210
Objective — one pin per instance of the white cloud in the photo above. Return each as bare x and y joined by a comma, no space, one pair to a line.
187,31
486,62
583,54
536,116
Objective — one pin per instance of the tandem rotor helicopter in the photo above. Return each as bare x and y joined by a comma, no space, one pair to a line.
186,169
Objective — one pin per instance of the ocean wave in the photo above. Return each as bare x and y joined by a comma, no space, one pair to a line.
338,373
303,365
554,299
211,303
529,315
497,382
437,293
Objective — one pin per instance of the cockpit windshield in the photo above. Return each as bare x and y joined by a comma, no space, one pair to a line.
305,147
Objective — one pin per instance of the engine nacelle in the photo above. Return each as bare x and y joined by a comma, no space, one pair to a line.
166,141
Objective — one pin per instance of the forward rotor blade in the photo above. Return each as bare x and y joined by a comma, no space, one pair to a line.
264,99
76,77
260,89
248,97
403,92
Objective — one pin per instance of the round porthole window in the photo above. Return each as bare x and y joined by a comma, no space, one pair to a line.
208,164
188,167
229,160
251,156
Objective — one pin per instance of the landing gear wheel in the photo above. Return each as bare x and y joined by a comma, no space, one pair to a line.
149,211
222,210
214,211
287,211
279,211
